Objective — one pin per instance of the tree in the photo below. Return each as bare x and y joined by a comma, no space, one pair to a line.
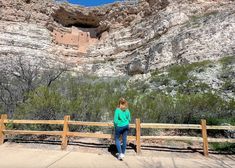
19,76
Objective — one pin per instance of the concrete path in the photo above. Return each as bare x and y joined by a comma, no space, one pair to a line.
11,157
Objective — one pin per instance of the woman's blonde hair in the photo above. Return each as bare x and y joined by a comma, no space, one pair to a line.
122,102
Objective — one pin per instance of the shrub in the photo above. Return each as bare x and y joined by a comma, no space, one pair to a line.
227,61
223,147
180,72
89,98
43,103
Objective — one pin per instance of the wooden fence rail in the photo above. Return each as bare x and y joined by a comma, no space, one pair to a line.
65,133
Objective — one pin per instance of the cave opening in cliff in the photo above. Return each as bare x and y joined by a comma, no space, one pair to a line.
85,28
28,1
86,23
81,25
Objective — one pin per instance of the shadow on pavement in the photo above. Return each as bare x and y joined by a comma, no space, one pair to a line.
112,147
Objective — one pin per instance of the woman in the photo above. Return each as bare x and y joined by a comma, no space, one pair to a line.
122,119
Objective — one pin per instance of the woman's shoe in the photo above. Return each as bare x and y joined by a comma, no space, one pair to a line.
121,156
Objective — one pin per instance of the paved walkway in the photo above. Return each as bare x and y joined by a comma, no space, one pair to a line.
11,157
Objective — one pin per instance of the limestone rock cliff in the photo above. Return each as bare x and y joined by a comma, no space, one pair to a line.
181,32
132,39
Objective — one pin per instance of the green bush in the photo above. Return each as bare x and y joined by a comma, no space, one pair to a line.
192,87
43,103
96,101
223,147
198,106
89,98
180,72
227,61
1,109
229,85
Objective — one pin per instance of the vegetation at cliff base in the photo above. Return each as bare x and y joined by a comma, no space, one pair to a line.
172,96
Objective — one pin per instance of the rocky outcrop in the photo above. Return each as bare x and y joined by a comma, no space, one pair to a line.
184,32
29,11
132,39
30,42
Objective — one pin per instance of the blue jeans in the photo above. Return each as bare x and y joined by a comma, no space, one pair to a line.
118,132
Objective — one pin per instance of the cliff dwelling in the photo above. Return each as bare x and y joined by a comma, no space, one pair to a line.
83,30
81,38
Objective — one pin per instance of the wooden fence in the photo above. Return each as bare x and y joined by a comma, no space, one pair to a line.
137,138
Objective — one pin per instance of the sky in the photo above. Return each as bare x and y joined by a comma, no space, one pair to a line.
91,2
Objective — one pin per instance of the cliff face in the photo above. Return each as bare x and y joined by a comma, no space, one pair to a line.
175,58
131,39
181,32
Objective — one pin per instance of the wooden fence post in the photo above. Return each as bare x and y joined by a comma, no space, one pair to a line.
64,142
137,126
204,137
2,127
